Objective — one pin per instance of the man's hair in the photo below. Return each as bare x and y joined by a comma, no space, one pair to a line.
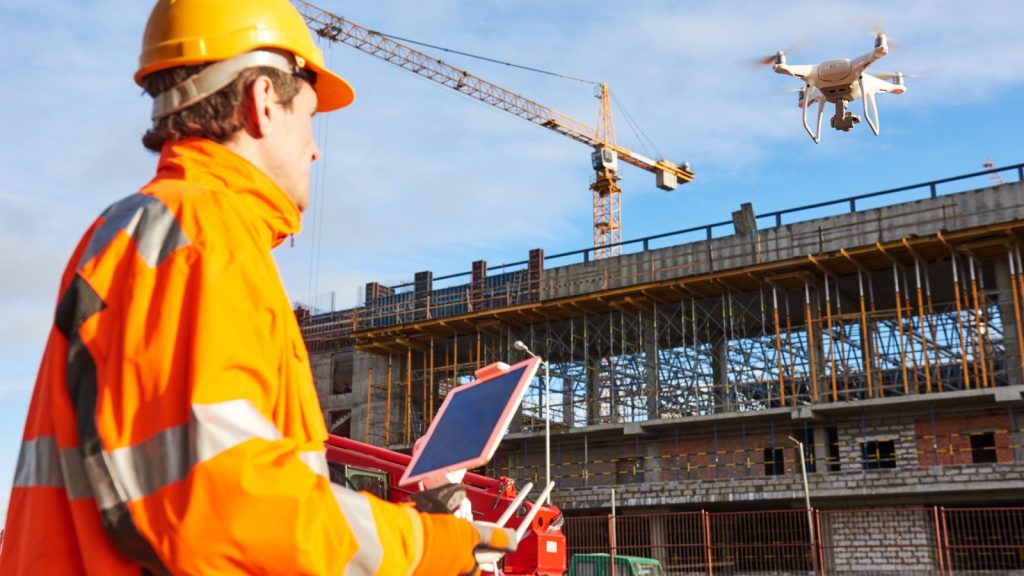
218,116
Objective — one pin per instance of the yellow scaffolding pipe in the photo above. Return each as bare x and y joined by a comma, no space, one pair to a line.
369,402
810,341
407,428
899,324
842,343
864,335
960,323
980,323
915,379
1017,281
792,357
423,395
831,343
933,330
922,315
875,335
433,392
778,346
387,406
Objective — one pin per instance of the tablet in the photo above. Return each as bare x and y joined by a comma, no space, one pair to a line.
470,424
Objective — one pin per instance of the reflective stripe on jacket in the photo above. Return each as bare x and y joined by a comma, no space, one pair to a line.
174,424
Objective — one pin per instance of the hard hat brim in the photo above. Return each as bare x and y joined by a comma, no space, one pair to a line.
332,91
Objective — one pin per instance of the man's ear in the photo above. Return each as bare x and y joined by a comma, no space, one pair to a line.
259,108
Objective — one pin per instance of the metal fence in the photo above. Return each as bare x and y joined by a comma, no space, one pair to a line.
877,541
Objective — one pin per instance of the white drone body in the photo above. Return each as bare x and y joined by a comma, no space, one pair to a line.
842,81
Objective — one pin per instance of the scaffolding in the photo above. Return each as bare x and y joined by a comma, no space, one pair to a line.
838,330
808,315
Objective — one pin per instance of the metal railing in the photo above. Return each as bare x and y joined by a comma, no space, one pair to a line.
452,295
918,540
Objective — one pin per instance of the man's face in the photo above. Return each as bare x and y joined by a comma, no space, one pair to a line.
294,148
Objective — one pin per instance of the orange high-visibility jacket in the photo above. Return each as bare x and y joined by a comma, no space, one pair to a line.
174,426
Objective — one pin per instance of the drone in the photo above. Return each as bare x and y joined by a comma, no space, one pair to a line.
841,82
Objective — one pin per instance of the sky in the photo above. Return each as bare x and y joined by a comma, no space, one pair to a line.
414,176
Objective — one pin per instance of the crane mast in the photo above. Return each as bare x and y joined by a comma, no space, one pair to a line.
606,153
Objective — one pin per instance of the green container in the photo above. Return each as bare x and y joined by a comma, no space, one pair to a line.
600,565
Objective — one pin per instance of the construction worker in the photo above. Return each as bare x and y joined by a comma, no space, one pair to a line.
174,427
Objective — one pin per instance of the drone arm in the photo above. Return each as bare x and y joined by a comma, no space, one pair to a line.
861,63
801,71
869,99
816,136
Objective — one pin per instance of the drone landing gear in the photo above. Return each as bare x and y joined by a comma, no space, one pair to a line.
843,119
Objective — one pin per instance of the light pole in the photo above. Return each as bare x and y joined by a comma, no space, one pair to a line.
519,345
807,503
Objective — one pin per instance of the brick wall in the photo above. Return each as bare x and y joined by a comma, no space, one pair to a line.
946,441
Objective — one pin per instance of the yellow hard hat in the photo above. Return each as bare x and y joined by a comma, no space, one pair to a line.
191,32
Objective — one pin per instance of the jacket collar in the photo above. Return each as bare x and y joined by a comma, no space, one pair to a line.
207,163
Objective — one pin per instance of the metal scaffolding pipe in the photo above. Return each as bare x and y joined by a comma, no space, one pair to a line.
959,323
980,325
865,338
809,327
831,343
910,334
778,346
387,406
899,324
407,427
1017,282
922,314
369,401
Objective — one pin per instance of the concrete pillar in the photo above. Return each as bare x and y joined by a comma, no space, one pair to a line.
819,436
568,405
476,286
652,462
423,285
594,392
365,365
720,374
536,272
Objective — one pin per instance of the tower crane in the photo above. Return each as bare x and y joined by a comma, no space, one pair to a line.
606,153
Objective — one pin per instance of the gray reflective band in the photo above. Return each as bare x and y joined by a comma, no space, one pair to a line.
216,76
42,464
356,509
38,464
153,228
159,461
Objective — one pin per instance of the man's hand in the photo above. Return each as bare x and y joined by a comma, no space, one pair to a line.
441,500
494,543
491,542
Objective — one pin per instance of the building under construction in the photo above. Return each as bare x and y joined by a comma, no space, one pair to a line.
875,339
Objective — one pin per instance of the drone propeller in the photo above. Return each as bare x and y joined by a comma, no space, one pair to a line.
893,76
889,76
876,29
772,59
767,60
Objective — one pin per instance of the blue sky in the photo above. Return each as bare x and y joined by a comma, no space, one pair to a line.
416,177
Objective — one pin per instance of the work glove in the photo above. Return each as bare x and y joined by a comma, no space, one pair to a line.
494,543
441,500
452,546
